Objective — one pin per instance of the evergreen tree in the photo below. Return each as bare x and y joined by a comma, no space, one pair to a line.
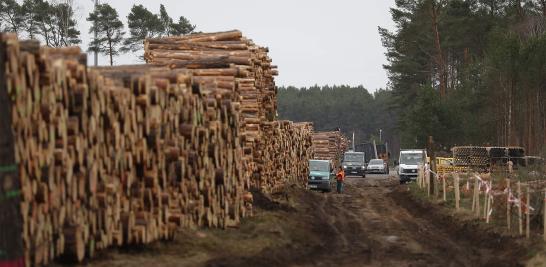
11,16
183,27
64,31
105,22
474,69
54,23
30,18
165,19
142,24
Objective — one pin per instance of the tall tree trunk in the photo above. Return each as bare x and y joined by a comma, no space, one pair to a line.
543,5
440,60
519,8
110,52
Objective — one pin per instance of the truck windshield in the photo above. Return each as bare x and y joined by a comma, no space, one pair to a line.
319,166
376,162
411,158
353,157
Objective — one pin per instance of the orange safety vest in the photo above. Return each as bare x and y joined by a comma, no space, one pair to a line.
340,176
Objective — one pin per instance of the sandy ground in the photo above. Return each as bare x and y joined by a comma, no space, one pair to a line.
376,222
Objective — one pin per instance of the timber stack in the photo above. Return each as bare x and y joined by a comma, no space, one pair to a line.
329,146
243,61
286,143
128,155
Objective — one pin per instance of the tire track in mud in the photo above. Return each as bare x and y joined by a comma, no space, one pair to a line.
375,222
372,229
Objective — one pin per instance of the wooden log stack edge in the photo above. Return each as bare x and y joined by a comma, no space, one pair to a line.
253,73
329,146
128,155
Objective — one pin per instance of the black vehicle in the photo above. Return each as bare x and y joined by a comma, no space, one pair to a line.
354,164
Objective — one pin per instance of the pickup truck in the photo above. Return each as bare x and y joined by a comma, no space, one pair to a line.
354,163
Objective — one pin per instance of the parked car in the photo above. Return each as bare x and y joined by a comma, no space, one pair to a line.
321,176
377,166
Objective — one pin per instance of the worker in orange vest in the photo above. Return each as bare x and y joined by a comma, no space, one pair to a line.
340,177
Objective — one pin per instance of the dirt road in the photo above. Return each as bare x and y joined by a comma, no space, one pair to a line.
374,223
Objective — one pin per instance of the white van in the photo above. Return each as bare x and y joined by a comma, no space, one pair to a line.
409,162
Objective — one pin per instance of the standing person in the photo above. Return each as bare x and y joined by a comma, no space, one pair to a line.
340,177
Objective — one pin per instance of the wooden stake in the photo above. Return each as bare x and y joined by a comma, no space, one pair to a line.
508,204
427,174
457,191
444,188
485,207
528,215
520,217
544,216
474,196
489,202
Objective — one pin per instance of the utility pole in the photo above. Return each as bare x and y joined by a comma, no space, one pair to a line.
380,131
375,149
96,54
354,141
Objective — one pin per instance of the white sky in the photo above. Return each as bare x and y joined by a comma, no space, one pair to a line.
312,41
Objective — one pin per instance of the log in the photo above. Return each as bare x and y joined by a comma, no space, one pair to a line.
456,184
11,223
115,156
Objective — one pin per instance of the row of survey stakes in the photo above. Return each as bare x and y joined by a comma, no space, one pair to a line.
501,198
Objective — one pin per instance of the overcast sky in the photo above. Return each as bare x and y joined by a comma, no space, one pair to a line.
312,41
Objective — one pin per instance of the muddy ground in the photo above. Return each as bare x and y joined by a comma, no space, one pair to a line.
376,222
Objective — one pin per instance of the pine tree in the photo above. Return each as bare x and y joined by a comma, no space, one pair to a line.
183,27
166,20
142,24
30,19
109,31
11,16
65,32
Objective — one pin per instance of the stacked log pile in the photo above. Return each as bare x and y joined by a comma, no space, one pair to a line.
118,161
253,74
126,155
286,143
329,146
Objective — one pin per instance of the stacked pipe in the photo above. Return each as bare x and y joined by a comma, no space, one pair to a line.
329,146
482,157
253,74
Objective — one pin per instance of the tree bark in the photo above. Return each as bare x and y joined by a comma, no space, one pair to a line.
440,60
519,9
11,225
110,52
